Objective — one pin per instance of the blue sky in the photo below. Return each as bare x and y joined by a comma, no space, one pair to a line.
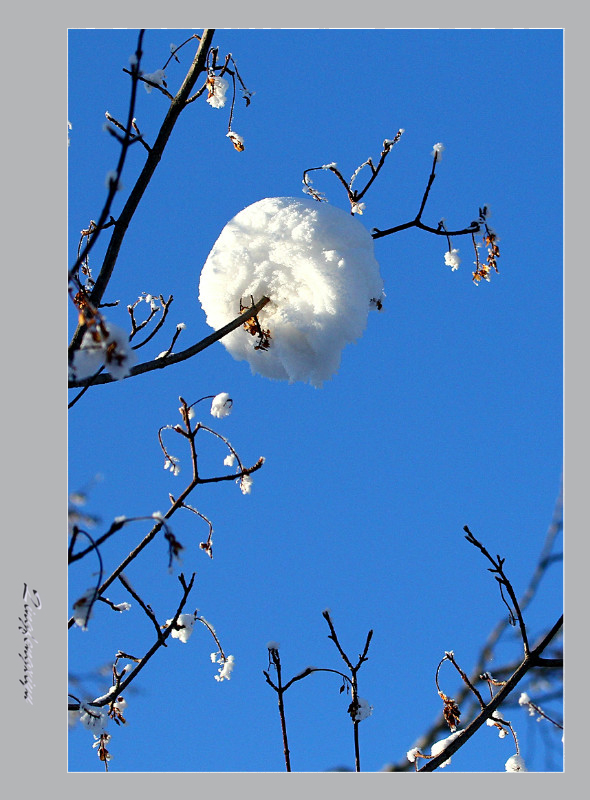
447,412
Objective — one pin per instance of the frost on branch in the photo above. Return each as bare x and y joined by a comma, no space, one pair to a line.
316,263
103,344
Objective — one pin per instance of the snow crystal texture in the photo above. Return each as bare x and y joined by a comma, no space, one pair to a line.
315,262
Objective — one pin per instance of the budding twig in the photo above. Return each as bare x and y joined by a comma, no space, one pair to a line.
503,581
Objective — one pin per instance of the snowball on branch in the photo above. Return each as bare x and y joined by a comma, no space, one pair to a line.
95,719
103,344
452,259
216,88
315,262
221,405
186,623
227,665
437,150
516,764
158,77
438,747
363,710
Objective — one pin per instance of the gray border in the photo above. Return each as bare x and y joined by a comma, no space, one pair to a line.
35,109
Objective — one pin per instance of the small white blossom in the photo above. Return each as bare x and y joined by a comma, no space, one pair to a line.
357,208
156,77
524,699
221,405
452,259
181,326
437,151
516,764
217,88
229,460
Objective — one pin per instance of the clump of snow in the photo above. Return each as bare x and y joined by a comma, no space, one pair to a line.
452,259
221,405
315,262
107,345
157,77
438,747
515,764
363,711
217,88
186,623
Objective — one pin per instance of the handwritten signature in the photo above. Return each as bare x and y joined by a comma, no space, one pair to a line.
31,604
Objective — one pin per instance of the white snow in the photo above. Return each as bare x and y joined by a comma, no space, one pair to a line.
106,345
221,405
186,623
515,764
452,259
315,262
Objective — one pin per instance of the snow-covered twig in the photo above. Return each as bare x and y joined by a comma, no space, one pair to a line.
175,358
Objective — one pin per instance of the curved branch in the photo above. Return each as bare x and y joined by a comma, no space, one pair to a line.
487,651
160,641
416,223
474,227
533,659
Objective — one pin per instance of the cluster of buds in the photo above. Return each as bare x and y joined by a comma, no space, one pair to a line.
451,711
490,241
236,140
254,328
217,87
101,744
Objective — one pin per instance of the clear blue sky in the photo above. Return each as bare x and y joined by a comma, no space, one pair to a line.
447,412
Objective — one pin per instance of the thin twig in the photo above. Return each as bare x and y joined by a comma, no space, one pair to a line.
176,358
530,661
153,159
125,144
498,568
